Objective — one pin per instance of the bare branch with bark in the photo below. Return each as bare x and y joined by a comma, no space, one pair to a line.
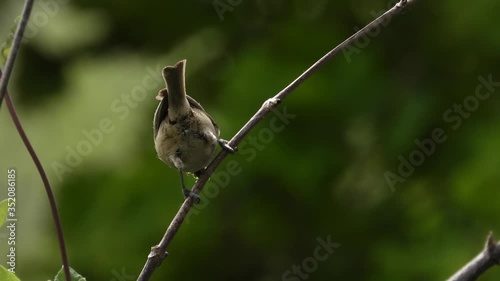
159,252
488,257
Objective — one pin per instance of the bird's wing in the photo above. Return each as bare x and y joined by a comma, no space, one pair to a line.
195,104
161,111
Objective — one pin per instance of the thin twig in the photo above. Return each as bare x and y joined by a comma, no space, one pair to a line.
48,189
16,45
158,252
4,82
483,261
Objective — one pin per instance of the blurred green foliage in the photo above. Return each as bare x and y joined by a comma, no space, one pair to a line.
73,275
321,175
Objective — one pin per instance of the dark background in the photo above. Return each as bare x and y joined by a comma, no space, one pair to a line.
323,175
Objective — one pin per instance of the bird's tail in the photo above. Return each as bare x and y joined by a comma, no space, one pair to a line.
174,77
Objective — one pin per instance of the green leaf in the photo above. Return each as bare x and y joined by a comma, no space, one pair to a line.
5,51
3,212
74,275
6,275
7,45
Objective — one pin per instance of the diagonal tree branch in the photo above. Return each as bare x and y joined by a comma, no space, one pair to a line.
489,257
159,252
45,180
16,45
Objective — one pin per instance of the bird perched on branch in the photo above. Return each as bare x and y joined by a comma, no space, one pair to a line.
185,135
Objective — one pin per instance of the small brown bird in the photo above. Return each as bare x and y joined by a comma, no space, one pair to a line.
185,135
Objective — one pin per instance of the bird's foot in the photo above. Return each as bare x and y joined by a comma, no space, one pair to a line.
199,172
188,193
